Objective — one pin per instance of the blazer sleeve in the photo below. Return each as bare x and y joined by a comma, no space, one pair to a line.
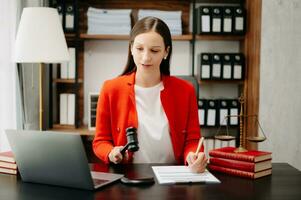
193,126
102,143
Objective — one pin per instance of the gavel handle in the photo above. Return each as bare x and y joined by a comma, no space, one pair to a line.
124,148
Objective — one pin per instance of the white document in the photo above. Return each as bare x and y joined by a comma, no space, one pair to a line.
181,174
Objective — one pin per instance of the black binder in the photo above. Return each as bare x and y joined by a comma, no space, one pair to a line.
60,9
216,72
223,112
227,66
205,69
202,111
227,22
216,20
204,20
238,66
233,110
239,21
212,113
69,17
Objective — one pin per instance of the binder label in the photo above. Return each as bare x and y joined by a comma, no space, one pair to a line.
205,23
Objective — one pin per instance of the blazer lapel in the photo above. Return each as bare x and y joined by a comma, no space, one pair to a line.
132,117
167,103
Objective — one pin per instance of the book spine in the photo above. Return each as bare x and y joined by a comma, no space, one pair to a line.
8,171
232,156
8,165
233,172
7,159
233,164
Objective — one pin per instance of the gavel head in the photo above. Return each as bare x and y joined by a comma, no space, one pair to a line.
132,140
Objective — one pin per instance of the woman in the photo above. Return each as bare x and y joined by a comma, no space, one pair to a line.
163,108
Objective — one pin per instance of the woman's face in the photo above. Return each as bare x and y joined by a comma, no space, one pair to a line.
148,50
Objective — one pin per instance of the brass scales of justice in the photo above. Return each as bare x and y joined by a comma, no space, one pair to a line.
241,117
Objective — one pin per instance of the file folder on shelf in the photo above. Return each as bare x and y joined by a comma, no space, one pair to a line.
59,8
238,67
69,18
202,111
93,99
72,63
67,108
204,20
71,109
211,113
239,21
234,110
227,20
216,20
205,71
223,112
216,66
227,67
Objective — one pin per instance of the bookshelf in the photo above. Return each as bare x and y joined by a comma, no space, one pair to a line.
249,45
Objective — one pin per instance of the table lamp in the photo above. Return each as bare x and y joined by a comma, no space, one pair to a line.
40,39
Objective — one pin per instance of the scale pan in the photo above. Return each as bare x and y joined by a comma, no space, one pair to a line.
224,137
256,139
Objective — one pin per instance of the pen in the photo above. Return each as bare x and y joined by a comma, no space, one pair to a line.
199,145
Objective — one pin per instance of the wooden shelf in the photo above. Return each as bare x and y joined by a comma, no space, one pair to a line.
67,81
70,35
219,1
220,37
241,82
104,37
187,37
70,128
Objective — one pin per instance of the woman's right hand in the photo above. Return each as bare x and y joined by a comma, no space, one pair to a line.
115,156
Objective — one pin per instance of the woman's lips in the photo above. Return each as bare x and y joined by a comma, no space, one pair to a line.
146,65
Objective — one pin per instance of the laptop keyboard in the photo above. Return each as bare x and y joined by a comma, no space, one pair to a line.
99,181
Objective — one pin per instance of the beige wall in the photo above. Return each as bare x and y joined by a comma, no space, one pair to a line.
280,80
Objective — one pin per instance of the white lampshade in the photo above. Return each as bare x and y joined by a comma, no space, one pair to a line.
40,37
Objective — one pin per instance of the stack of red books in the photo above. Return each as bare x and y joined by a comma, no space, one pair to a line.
251,164
8,163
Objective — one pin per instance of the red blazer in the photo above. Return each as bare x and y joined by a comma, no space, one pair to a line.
116,110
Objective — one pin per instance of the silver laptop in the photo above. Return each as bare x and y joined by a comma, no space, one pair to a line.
55,158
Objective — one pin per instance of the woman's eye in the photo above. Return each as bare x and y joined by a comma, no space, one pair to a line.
139,48
155,51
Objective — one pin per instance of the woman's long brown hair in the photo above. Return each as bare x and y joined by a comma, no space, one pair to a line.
145,25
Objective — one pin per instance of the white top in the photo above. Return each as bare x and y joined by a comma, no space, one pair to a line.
153,128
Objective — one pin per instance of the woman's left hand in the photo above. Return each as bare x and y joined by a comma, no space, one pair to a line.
197,162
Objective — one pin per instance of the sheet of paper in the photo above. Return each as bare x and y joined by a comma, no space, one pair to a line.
181,174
